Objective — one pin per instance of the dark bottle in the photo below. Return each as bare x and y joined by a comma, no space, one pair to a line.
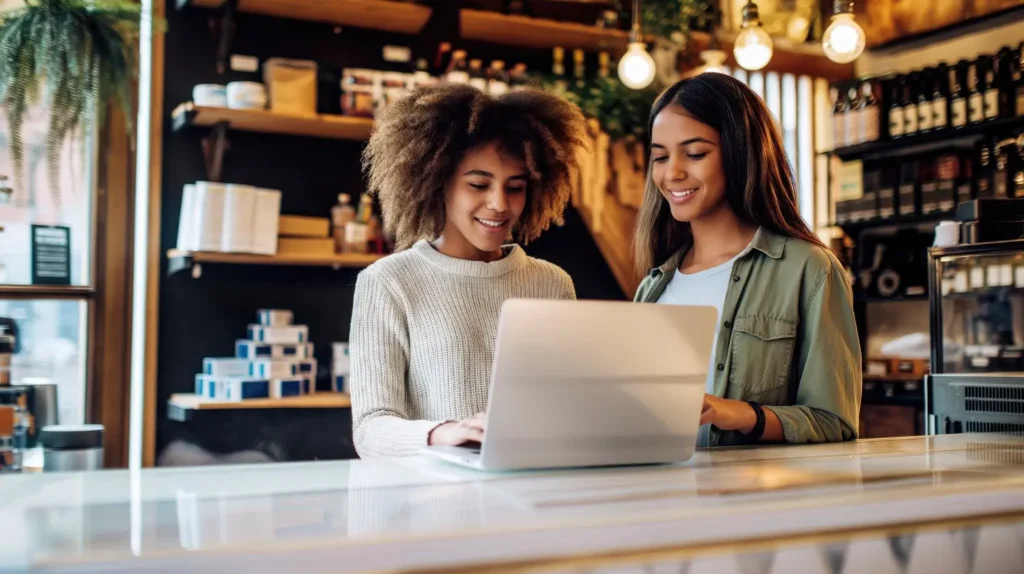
925,117
868,113
896,123
476,75
989,89
852,117
958,95
839,117
518,79
497,79
458,68
940,97
1017,64
975,102
1004,82
442,59
909,102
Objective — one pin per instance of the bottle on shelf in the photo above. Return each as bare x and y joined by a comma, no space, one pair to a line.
476,75
517,78
604,60
868,113
1005,83
839,117
341,215
357,232
896,123
923,105
558,69
441,59
577,67
1017,69
990,90
958,95
940,97
851,118
909,101
975,102
458,68
498,80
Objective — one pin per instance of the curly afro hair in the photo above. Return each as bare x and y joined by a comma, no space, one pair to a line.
418,141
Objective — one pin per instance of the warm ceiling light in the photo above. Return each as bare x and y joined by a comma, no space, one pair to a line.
843,40
636,68
753,47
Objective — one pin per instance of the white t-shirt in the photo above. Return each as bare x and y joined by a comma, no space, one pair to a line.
705,287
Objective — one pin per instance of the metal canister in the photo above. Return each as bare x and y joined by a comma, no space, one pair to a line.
6,357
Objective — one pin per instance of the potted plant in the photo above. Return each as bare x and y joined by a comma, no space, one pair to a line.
77,56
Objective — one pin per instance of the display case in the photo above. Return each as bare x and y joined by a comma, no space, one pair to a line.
976,298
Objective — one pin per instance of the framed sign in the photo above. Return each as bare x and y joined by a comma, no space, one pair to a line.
51,255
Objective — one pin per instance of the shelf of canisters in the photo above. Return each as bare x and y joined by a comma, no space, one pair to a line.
931,139
385,15
320,400
264,121
183,259
527,32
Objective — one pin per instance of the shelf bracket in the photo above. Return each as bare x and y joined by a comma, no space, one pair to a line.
214,145
229,9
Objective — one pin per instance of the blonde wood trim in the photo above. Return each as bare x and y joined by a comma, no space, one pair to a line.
402,17
526,32
340,260
324,400
265,121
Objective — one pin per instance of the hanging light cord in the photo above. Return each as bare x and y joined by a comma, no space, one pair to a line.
635,35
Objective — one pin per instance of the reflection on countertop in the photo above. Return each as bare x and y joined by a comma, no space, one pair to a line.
420,513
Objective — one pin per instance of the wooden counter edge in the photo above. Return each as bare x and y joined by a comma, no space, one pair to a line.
321,400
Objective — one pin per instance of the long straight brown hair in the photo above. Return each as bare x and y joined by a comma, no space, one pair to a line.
759,184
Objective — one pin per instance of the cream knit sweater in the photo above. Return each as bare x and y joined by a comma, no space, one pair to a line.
422,340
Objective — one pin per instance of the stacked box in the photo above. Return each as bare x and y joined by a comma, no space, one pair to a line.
340,365
275,361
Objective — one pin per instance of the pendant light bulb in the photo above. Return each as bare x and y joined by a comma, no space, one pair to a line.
714,61
843,40
636,68
753,47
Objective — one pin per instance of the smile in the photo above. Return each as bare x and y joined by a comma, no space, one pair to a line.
492,223
682,195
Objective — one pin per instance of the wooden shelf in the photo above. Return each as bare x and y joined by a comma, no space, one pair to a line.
264,121
529,32
921,142
181,259
321,400
402,17
893,378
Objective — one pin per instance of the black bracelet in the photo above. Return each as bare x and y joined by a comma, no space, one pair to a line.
755,434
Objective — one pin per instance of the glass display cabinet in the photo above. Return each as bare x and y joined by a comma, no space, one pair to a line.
976,297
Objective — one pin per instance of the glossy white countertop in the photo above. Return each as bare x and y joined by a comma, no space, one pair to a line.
419,513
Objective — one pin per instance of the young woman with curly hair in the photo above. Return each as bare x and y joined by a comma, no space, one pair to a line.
720,220
457,173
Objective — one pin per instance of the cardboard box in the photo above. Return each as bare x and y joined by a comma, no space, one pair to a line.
245,349
306,247
302,226
291,334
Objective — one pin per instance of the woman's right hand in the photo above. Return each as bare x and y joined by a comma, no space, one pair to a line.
458,432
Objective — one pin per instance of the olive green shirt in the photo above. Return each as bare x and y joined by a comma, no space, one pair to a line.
788,339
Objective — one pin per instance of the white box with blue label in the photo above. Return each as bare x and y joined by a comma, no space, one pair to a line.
290,387
274,317
282,335
246,349
273,368
226,367
232,388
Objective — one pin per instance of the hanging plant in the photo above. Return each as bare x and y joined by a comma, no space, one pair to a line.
79,55
675,19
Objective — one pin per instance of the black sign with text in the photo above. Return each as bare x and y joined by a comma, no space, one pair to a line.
51,255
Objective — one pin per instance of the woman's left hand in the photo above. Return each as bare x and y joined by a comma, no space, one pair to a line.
727,414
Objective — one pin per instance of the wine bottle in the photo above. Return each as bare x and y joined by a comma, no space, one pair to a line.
838,117
869,113
990,90
940,97
958,96
909,102
1004,82
896,124
498,80
925,117
975,102
558,69
458,69
441,59
1018,79
476,75
577,67
852,117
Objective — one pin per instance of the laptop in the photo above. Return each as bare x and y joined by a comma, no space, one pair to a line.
592,383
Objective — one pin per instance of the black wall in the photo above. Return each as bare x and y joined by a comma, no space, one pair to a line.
203,317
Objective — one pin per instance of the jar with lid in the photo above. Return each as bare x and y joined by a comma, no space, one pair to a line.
6,356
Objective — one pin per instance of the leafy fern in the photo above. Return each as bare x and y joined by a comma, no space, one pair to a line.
79,55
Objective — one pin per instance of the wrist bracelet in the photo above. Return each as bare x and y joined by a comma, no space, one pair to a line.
755,434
